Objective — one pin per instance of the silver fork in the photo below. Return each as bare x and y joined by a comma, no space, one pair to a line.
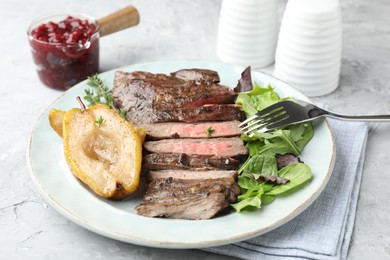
295,111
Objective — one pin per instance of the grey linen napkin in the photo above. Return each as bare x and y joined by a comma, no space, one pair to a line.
323,230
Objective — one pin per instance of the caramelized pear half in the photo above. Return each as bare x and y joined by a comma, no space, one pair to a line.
103,150
56,117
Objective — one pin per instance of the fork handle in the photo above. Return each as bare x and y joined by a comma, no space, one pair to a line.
371,118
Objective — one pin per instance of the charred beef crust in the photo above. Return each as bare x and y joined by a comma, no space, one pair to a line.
191,95
171,189
199,206
134,101
198,75
156,161
219,112
143,95
188,198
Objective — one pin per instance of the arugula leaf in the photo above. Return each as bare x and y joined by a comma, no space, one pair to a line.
298,174
252,195
245,183
248,204
251,198
261,164
301,134
284,141
257,99
267,199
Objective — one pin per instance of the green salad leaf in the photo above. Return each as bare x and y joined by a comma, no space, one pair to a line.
257,99
265,161
254,174
251,193
297,174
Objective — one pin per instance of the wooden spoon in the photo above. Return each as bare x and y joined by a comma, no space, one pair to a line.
119,20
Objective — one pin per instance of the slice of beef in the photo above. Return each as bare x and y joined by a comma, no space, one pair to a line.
159,190
141,94
192,175
198,75
171,130
156,161
182,182
198,206
188,195
219,147
221,112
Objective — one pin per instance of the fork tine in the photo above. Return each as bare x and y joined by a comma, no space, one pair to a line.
282,114
264,118
278,119
285,122
248,120
278,124
263,112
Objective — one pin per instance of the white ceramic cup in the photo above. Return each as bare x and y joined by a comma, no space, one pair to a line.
308,54
247,32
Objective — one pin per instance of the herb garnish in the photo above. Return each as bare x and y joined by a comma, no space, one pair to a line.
98,92
100,121
209,131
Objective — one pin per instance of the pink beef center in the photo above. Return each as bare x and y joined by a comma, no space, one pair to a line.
216,149
202,130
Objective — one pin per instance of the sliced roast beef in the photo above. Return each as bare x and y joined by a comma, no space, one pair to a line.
158,161
183,189
171,130
144,93
196,149
198,206
198,75
188,195
220,147
192,175
163,189
220,112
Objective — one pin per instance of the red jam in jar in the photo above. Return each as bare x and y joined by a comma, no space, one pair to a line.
65,49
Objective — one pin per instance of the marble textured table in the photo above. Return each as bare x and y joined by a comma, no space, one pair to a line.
172,30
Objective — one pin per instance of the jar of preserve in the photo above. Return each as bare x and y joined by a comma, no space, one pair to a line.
65,48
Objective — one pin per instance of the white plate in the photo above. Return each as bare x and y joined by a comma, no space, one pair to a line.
119,221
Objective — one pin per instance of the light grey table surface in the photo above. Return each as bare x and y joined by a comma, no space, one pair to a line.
174,30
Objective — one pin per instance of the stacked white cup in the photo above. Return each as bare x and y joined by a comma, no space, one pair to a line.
247,32
308,54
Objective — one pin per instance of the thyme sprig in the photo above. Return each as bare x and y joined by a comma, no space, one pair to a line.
100,121
209,131
100,93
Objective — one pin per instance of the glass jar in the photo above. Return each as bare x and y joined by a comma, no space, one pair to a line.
65,48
